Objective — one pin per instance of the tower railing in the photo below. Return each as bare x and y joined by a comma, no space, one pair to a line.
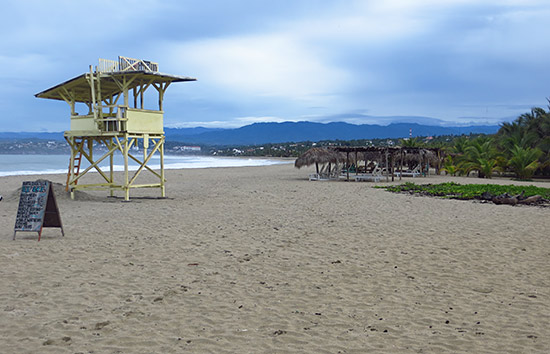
126,64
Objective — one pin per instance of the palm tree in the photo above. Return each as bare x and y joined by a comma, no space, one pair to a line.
529,131
511,134
412,142
524,162
449,166
460,145
481,156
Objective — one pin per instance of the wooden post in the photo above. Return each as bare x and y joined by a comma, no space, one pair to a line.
145,145
142,88
92,86
109,101
347,165
356,164
387,166
162,186
90,143
161,96
125,91
438,167
126,151
72,104
401,167
111,165
392,171
101,124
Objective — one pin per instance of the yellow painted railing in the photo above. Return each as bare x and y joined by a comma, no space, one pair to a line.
126,64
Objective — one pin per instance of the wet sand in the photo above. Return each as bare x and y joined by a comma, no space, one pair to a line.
260,260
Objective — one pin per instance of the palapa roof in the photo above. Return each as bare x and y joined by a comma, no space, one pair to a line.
79,87
390,149
336,154
318,155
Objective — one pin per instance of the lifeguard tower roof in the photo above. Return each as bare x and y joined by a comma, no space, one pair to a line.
110,84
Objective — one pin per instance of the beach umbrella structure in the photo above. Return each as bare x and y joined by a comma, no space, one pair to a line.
116,121
318,156
389,157
368,154
386,156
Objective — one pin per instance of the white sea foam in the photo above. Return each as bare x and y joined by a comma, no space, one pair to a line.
17,165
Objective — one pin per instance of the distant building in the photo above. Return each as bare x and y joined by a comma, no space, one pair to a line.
188,148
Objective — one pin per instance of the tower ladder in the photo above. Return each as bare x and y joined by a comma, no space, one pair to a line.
79,143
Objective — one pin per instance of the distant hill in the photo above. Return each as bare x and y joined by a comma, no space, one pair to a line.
262,133
175,133
31,135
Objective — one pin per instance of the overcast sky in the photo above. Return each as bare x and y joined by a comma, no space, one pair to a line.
455,61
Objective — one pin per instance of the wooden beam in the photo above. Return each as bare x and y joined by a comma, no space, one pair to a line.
144,163
93,164
146,167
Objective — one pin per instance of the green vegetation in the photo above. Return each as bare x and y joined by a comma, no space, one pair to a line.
525,144
467,191
524,161
520,149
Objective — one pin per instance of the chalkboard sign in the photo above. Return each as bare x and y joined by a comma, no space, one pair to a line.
37,208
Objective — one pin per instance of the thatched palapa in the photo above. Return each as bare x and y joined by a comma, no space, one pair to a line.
317,156
387,157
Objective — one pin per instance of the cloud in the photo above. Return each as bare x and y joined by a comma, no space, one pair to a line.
264,65
232,123
305,59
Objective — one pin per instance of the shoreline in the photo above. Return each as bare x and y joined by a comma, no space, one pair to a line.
169,162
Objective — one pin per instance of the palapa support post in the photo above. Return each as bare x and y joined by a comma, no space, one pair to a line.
356,164
347,166
387,166
392,163
112,126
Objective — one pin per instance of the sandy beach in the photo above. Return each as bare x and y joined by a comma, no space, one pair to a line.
260,260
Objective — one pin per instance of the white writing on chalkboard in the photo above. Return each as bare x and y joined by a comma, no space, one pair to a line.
32,204
37,208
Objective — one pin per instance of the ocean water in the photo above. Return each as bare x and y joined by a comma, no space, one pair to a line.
16,165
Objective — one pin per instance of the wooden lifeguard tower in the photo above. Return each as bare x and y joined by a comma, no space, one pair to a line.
111,121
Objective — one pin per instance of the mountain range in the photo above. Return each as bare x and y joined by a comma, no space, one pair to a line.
262,133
